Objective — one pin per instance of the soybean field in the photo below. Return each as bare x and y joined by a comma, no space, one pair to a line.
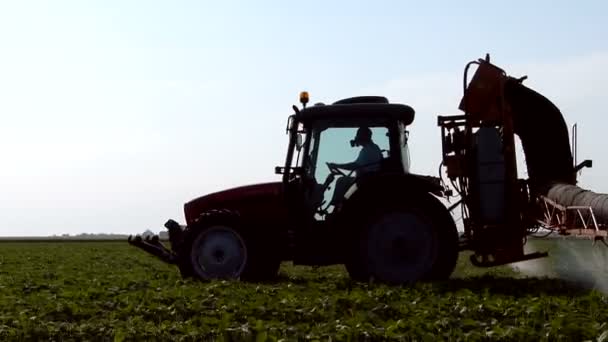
110,291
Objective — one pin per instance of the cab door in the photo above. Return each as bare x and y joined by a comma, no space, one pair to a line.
323,190
314,243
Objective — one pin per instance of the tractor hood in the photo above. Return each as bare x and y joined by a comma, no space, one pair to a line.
256,197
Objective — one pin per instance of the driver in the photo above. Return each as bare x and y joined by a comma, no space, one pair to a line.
369,157
368,161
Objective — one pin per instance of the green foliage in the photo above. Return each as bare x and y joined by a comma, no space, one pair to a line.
110,291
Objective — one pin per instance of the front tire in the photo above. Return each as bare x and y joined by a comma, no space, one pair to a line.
222,246
219,252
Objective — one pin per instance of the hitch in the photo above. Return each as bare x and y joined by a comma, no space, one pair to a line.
153,246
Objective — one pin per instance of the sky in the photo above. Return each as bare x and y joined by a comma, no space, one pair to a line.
115,113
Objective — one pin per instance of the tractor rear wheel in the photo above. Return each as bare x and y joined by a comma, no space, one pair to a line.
401,246
222,249
402,243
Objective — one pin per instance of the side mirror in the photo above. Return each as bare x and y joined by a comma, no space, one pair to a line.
585,163
299,142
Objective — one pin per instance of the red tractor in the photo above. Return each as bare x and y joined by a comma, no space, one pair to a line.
377,218
372,215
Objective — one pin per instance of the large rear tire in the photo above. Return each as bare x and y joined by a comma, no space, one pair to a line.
402,243
400,246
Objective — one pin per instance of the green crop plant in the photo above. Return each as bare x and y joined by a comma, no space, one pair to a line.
108,291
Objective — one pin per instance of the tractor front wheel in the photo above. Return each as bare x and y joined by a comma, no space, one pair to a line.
221,247
219,252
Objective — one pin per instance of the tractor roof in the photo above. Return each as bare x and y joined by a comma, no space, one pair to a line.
359,108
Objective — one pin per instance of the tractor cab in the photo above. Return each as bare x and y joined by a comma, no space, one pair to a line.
332,150
347,196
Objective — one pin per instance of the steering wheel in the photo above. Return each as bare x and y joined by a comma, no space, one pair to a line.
335,170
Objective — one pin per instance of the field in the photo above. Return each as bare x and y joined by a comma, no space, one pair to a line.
111,291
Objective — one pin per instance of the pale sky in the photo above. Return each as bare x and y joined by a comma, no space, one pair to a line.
115,113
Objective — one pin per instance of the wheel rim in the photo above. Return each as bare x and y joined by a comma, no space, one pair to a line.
219,252
401,247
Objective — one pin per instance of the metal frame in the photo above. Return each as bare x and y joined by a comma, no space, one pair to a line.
567,220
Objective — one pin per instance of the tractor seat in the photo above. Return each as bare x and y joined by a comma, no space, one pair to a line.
389,164
342,184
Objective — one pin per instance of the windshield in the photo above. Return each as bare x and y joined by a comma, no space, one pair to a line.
335,147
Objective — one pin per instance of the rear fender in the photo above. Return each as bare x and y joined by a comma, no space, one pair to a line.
385,190
391,187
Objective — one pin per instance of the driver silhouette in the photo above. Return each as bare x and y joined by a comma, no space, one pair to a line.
368,161
369,157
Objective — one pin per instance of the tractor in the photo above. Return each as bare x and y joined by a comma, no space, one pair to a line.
376,218
373,215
